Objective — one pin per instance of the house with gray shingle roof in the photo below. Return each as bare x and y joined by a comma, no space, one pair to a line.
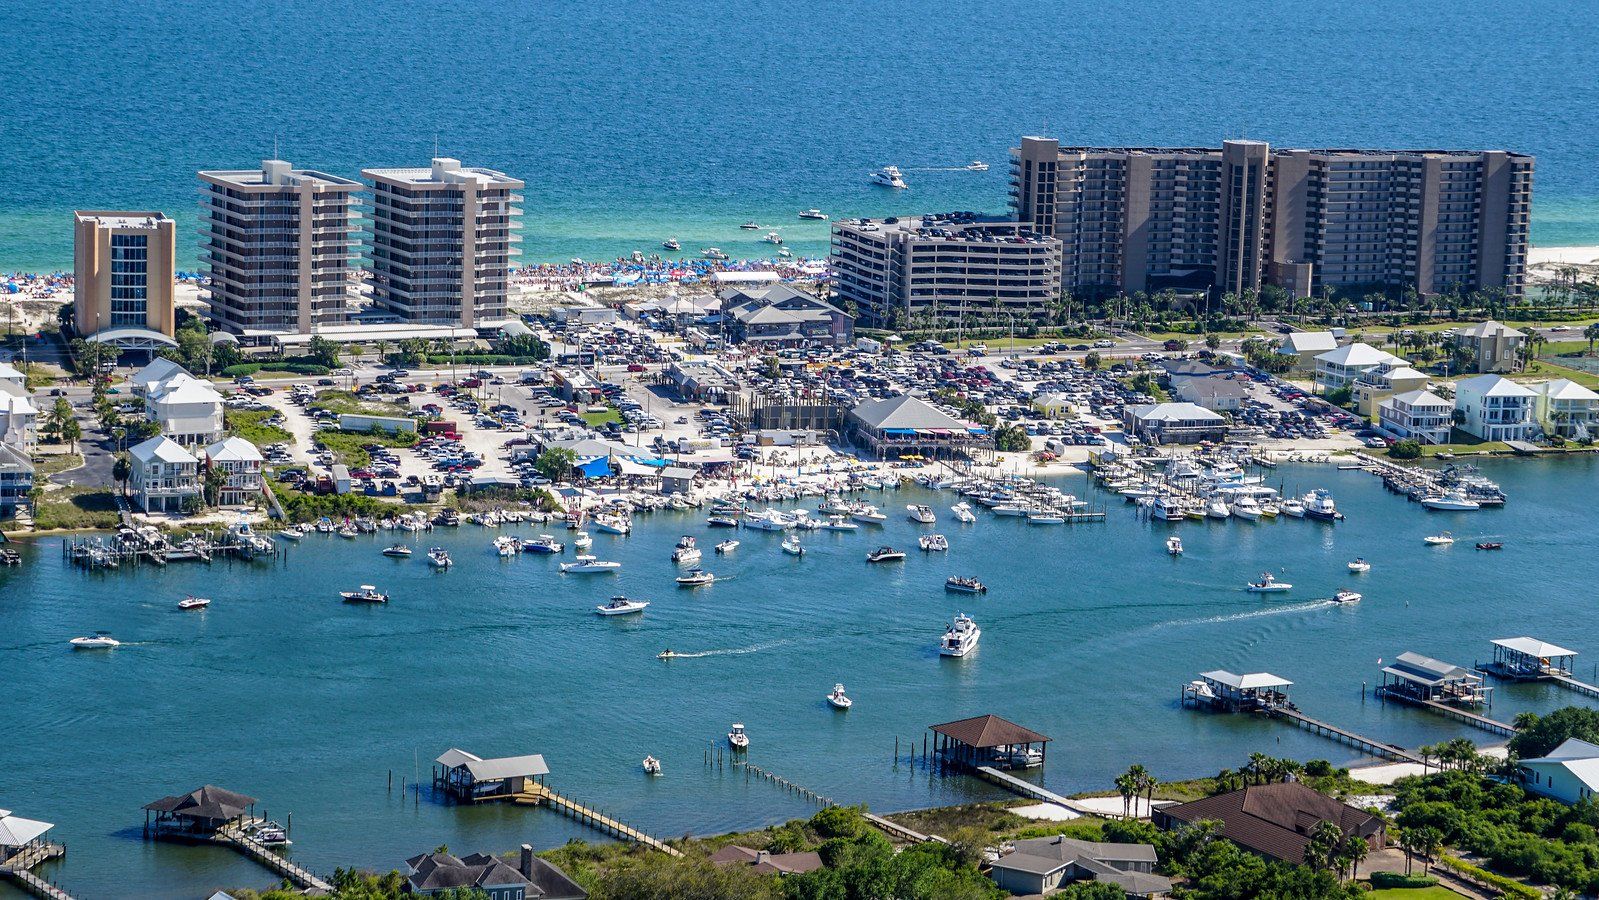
1041,866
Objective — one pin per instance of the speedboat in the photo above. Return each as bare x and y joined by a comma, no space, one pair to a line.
751,226
586,564
1453,501
695,578
348,533
770,520
1319,505
612,524
1246,508
838,699
581,541
1292,508
791,546
1268,585
1201,689
1174,545
839,523
652,766
543,544
977,165
737,738
507,547
721,520
958,585
1010,509
922,515
1217,508
439,558
671,244
1441,539
773,237
963,513
1018,756
1346,596
193,603
685,552
870,515
785,253
713,253
960,637
621,606
290,534
1359,565
367,594
1490,545
885,554
887,176
99,641
398,551
933,542
813,214
727,546
1045,517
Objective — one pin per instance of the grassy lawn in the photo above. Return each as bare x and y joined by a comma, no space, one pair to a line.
248,424
45,465
596,419
76,508
1196,341
346,402
1543,369
1426,893
347,446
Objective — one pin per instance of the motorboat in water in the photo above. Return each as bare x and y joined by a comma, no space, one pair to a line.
839,523
1453,501
813,214
1359,565
963,513
960,636
685,552
100,640
367,594
721,520
713,253
727,546
933,542
671,244
751,225
612,524
885,554
977,165
621,606
695,578
1019,756
922,515
582,541
773,237
586,564
1490,545
1246,508
194,603
1201,689
439,558
1346,596
1441,539
1045,517
869,515
652,766
1319,505
888,176
668,653
543,544
959,585
1294,509
1268,585
507,547
839,699
1217,508
1174,545
792,546
398,551
737,738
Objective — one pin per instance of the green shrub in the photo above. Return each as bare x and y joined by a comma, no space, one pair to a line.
295,367
1382,880
1507,886
1409,448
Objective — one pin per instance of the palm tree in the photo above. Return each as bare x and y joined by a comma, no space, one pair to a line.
1592,334
1150,782
1257,766
121,471
1407,843
1429,843
1323,846
1354,852
1126,785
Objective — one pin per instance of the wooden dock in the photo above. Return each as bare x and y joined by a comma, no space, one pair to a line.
1572,684
1028,789
896,830
19,869
1361,742
1454,712
539,793
234,836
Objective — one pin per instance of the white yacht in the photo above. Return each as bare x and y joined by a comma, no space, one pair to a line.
1268,585
1453,501
791,546
1441,539
737,738
713,253
671,244
100,640
977,165
770,520
1319,505
1174,545
885,554
960,637
839,523
1245,507
839,699
621,606
397,551
439,558
773,237
685,552
1010,509
869,515
507,547
609,524
933,542
963,513
543,544
888,176
1346,596
1045,517
1292,508
920,514
727,546
193,603
721,520
1359,565
367,594
813,214
581,541
586,564
1217,508
695,578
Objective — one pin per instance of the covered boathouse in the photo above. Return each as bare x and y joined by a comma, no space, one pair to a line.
1414,677
469,778
1529,659
988,741
199,814
1227,692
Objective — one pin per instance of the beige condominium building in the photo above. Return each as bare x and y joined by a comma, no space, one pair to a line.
1247,215
280,242
442,243
957,268
123,266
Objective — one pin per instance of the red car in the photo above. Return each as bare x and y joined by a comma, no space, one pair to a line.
635,367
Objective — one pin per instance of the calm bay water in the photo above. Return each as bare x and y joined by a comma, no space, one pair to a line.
281,691
633,121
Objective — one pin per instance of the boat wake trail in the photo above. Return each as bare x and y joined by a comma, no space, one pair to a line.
735,651
1252,614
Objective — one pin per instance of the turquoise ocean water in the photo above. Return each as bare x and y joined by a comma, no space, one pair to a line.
632,122
283,692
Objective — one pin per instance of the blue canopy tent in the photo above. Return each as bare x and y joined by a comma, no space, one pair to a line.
598,467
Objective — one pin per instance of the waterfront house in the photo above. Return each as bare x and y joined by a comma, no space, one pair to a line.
778,315
1337,368
468,777
531,879
201,813
1275,820
17,417
1174,423
1494,408
1493,347
19,836
1569,773
766,863
16,480
1378,384
904,425
187,409
242,462
1041,866
1561,407
1302,348
1417,414
164,475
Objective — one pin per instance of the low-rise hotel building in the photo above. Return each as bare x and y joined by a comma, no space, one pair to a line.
280,243
442,243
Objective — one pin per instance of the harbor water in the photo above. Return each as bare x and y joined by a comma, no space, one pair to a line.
632,122
280,691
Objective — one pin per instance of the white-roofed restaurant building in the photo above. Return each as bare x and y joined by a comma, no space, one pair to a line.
164,475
